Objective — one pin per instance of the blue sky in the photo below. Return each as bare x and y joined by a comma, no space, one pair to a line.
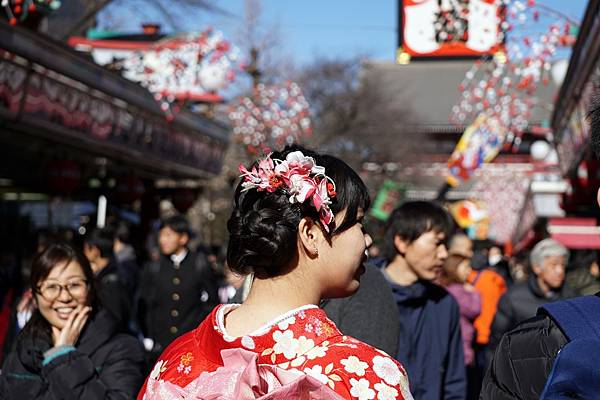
313,27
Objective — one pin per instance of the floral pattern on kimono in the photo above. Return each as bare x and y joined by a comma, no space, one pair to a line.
302,340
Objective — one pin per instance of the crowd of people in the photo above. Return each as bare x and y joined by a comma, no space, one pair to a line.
296,309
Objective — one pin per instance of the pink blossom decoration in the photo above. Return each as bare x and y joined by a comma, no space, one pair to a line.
301,178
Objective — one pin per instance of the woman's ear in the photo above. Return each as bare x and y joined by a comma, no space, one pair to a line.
308,236
401,245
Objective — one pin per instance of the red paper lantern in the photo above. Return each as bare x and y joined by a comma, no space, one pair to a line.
63,176
183,199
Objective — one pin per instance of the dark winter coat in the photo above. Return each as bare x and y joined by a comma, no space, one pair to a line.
370,315
521,302
430,344
114,295
104,365
175,299
129,269
523,360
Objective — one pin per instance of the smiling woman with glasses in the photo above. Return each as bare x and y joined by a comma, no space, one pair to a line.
71,348
50,290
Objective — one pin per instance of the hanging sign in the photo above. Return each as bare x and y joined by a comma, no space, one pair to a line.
388,198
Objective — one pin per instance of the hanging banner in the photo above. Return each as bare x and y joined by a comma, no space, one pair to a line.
480,143
451,28
388,198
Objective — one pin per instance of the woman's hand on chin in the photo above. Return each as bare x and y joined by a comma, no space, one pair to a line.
68,335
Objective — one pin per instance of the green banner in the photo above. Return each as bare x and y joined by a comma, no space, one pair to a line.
388,198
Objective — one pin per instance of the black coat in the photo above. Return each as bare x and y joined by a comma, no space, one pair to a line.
104,365
519,303
523,360
114,294
174,300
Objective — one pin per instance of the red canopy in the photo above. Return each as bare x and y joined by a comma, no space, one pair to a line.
575,233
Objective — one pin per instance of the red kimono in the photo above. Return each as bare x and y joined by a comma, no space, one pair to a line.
303,340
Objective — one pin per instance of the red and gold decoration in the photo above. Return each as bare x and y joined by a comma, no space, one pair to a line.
276,115
184,68
505,88
472,216
18,10
451,28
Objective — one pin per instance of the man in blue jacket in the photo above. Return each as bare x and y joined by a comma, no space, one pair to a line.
430,345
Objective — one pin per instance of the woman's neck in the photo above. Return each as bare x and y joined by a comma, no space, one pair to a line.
268,299
400,272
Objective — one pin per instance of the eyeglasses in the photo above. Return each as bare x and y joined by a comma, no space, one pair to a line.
51,291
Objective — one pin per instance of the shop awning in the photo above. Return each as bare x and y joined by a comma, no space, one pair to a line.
575,233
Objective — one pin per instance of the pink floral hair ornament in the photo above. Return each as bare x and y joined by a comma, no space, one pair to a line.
299,176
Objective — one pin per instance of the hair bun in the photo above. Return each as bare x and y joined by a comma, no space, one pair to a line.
263,238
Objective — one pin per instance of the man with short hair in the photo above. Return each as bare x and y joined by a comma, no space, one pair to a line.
176,292
430,345
112,291
546,283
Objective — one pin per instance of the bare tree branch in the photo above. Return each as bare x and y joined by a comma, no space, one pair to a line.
352,117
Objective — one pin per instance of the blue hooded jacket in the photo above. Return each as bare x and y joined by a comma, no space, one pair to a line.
430,344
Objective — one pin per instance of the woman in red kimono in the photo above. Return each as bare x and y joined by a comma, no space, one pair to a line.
297,227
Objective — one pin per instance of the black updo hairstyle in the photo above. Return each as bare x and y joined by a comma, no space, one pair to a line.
263,226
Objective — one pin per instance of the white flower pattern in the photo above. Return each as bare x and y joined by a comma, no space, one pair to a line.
316,352
305,345
285,344
283,325
344,364
387,370
385,392
248,343
361,390
353,365
159,367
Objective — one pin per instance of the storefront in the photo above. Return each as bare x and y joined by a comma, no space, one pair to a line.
72,130
571,130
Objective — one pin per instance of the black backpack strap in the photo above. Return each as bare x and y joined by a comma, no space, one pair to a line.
576,318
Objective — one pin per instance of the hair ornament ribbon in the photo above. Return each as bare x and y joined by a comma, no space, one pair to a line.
299,176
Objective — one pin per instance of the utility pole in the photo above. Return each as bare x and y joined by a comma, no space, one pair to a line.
253,69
